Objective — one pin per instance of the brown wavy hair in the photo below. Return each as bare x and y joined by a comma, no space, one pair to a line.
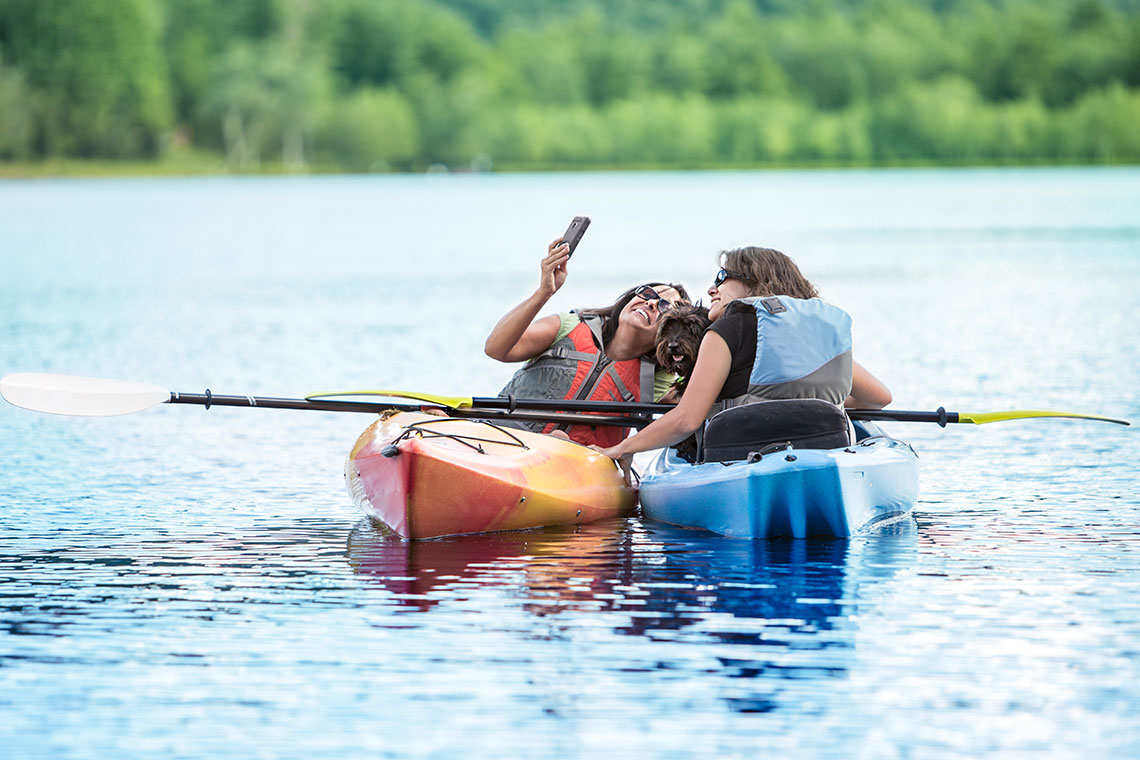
767,272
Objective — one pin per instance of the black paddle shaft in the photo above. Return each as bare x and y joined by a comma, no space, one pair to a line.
209,399
940,416
534,410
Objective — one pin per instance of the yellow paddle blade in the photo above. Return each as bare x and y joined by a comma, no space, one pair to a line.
981,418
451,402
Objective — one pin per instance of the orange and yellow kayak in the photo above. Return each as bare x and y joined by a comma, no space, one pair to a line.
425,476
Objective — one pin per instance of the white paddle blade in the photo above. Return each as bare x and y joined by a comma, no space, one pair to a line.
79,396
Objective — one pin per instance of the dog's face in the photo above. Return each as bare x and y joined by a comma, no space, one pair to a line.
679,333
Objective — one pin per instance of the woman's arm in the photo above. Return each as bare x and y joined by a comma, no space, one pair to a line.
713,362
867,391
518,336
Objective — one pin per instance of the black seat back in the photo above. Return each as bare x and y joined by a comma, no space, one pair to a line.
803,423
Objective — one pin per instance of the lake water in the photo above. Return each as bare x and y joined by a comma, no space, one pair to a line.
191,583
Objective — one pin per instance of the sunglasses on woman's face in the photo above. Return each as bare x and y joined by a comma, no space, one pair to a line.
646,293
725,274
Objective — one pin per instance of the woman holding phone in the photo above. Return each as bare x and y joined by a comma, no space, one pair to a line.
603,354
771,338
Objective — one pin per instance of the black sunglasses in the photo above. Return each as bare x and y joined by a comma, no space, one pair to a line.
725,274
646,293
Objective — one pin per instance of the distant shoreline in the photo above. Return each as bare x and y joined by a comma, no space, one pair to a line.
205,165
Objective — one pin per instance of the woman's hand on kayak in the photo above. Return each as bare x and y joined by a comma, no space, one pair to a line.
624,461
554,267
615,453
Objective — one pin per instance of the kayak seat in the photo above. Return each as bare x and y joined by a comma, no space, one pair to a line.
735,433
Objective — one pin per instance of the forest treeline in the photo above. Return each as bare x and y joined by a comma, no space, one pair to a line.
375,85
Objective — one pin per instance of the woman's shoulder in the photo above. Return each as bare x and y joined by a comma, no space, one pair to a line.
737,326
567,321
738,314
742,307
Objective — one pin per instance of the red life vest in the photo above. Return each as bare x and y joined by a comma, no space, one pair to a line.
577,368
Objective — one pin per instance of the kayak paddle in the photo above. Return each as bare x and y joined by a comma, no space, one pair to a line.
98,397
940,416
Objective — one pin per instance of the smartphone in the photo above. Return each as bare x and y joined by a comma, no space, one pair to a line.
575,232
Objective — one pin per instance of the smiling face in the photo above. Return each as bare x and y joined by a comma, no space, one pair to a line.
720,296
641,314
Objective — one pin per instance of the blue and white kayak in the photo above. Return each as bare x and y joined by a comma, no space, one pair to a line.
795,493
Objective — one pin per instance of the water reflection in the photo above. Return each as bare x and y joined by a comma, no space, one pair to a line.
780,610
558,568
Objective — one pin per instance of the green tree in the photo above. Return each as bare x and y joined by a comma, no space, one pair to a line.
944,121
1102,125
835,137
822,60
1094,53
678,63
371,130
660,129
614,63
1012,53
264,97
532,83
394,42
1021,133
761,130
198,32
899,41
15,115
738,61
98,78
531,66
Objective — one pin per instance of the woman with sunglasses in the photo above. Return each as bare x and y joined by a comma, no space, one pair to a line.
771,338
604,354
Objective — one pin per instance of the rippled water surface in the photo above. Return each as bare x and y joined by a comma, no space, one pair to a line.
191,583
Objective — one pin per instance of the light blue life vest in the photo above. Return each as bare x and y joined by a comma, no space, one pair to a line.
803,350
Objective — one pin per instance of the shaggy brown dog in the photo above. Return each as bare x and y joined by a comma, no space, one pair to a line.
679,334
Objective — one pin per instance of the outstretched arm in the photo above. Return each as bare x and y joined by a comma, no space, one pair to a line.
713,362
867,391
518,335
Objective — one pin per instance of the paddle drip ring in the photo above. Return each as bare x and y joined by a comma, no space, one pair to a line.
209,398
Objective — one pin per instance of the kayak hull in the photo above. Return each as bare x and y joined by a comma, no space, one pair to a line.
798,493
424,477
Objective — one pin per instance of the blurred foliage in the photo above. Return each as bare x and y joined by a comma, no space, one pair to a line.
380,85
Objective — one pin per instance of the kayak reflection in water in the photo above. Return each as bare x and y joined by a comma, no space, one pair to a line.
605,354
772,337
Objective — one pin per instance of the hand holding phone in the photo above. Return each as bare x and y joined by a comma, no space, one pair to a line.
575,232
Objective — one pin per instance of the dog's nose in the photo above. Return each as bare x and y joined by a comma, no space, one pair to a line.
674,346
